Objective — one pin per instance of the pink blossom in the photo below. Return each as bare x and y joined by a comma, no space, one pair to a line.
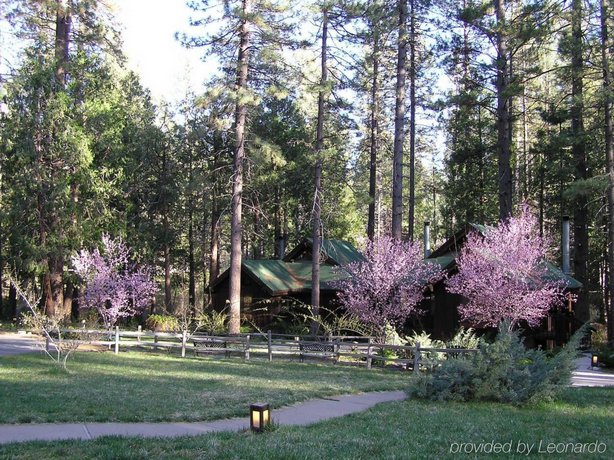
387,286
115,286
502,274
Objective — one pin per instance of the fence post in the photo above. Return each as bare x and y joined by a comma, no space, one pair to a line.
270,345
138,333
417,358
369,350
247,347
184,339
116,339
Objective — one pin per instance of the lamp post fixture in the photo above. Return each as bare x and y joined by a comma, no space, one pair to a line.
594,360
259,416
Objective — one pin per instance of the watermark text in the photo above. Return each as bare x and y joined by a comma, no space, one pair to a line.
527,448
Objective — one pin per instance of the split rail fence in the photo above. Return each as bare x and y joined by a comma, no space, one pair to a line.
357,350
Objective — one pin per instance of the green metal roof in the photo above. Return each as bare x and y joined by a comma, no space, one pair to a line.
444,261
341,252
282,278
480,228
555,273
447,261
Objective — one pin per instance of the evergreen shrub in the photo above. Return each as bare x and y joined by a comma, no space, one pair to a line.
503,371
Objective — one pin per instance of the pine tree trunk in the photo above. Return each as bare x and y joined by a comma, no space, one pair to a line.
62,40
524,176
2,312
68,297
374,138
258,248
205,255
277,225
317,224
481,171
609,151
12,308
579,158
53,280
214,266
168,297
412,121
399,122
234,324
191,261
503,115
55,286
542,195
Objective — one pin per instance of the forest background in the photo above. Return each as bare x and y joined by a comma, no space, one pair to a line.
324,119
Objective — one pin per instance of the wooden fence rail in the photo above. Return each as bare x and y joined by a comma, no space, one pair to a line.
338,349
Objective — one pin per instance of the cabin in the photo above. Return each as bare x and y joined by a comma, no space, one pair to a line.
267,283
441,318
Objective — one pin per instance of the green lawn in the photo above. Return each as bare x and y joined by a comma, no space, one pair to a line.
160,387
406,430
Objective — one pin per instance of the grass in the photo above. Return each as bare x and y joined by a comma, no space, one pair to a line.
150,387
405,430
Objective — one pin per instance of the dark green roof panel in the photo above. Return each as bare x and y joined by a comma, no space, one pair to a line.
555,273
281,278
342,252
444,262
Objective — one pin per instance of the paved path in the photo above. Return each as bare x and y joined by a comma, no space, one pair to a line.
299,414
585,376
14,344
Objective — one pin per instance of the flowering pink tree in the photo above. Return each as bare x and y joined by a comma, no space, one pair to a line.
503,274
114,286
387,286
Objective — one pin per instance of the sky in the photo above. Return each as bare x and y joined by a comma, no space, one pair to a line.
165,67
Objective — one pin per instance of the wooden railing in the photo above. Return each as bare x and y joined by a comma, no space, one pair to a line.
338,349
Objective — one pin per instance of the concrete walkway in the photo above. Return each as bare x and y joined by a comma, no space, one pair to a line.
304,413
15,344
586,376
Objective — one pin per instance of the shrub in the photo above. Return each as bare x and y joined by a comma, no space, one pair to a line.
464,338
606,358
503,371
162,323
214,322
426,341
452,382
90,316
392,337
599,336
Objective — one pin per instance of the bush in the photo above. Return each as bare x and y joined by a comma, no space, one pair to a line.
425,340
90,316
464,338
599,336
503,371
162,323
214,322
452,382
606,358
